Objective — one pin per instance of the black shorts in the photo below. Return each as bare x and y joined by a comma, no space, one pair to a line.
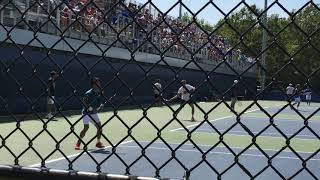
157,96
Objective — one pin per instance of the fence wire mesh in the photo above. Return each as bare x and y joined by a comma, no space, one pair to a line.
238,67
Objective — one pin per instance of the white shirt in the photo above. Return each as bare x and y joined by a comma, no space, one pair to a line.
185,95
290,90
308,94
157,88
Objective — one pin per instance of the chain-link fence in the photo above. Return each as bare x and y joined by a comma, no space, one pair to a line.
247,74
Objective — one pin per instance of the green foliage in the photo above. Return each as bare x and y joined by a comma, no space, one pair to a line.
287,40
287,37
204,24
186,17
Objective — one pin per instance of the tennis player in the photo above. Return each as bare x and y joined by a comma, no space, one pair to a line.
308,96
297,96
289,92
184,93
157,91
51,89
92,104
234,94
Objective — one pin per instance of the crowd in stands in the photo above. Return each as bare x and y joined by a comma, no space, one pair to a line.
100,17
77,11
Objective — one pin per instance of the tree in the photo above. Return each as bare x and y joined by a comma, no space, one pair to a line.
205,25
292,42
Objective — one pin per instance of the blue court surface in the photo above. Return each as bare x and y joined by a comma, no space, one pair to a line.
258,123
285,163
304,110
261,126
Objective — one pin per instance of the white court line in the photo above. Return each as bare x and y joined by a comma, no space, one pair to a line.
233,147
73,155
224,153
274,137
226,117
256,132
282,119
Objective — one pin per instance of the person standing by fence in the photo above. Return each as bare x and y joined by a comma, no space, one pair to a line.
51,89
289,93
234,94
308,93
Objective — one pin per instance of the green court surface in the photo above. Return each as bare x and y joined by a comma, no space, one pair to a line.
134,125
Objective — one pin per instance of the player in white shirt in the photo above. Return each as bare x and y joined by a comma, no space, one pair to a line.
289,92
157,91
184,93
308,93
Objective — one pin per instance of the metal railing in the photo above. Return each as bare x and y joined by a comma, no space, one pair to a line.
75,25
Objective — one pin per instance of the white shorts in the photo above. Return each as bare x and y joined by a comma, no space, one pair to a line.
93,118
50,99
297,99
308,97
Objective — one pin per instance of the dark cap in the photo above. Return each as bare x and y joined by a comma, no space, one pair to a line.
53,73
94,80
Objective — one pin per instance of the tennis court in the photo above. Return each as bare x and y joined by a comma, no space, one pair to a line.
140,148
287,123
221,158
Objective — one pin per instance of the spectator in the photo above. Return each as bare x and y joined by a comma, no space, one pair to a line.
89,15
